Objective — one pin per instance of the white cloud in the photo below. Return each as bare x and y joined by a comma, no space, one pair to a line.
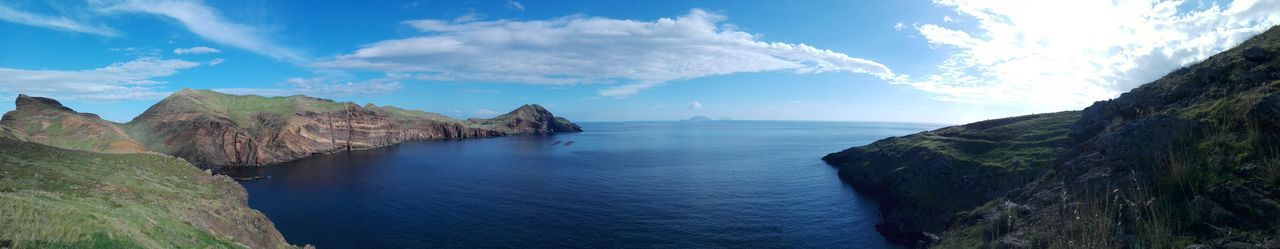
138,52
323,86
938,35
515,5
206,22
196,50
484,113
216,61
127,80
53,22
899,26
1067,54
695,105
582,50
948,18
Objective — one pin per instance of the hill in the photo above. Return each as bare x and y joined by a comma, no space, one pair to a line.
1189,160
59,198
46,121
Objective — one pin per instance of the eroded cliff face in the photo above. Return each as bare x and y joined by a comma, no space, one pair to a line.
208,130
47,121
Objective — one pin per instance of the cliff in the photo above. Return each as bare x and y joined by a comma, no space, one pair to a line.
57,198
925,178
1191,160
46,121
212,129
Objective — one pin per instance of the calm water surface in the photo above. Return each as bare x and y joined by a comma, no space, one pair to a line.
618,185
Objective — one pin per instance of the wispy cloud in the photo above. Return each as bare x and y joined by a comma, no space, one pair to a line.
126,80
323,86
206,22
485,113
633,55
10,14
515,5
695,105
477,90
196,50
1055,55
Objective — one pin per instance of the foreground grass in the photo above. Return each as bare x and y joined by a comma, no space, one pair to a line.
57,198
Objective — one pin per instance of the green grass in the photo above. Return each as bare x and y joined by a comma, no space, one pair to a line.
983,161
66,129
56,198
406,115
242,109
1020,145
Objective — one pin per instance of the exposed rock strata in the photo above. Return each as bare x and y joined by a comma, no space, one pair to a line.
212,129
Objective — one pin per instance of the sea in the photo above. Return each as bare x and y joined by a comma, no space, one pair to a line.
714,184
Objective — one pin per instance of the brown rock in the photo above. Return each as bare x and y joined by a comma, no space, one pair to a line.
212,129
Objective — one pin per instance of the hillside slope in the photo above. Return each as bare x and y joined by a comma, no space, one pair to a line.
213,129
1189,160
923,179
58,198
46,121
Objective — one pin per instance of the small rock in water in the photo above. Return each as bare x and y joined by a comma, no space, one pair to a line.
250,178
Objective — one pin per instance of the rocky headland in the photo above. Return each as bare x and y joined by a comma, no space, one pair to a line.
213,129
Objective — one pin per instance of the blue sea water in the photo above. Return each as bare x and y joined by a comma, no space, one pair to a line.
751,184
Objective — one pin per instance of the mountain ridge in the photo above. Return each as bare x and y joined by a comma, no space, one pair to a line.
47,121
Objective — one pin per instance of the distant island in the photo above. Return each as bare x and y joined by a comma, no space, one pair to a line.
700,118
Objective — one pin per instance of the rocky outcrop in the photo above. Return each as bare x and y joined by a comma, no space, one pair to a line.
47,121
527,119
1191,160
213,129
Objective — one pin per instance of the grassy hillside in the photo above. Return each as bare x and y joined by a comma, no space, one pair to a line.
241,109
46,121
58,198
408,116
925,178
1191,160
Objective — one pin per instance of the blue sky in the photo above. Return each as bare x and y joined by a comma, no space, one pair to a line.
944,61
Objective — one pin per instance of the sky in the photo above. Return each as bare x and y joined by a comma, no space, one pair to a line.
941,61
